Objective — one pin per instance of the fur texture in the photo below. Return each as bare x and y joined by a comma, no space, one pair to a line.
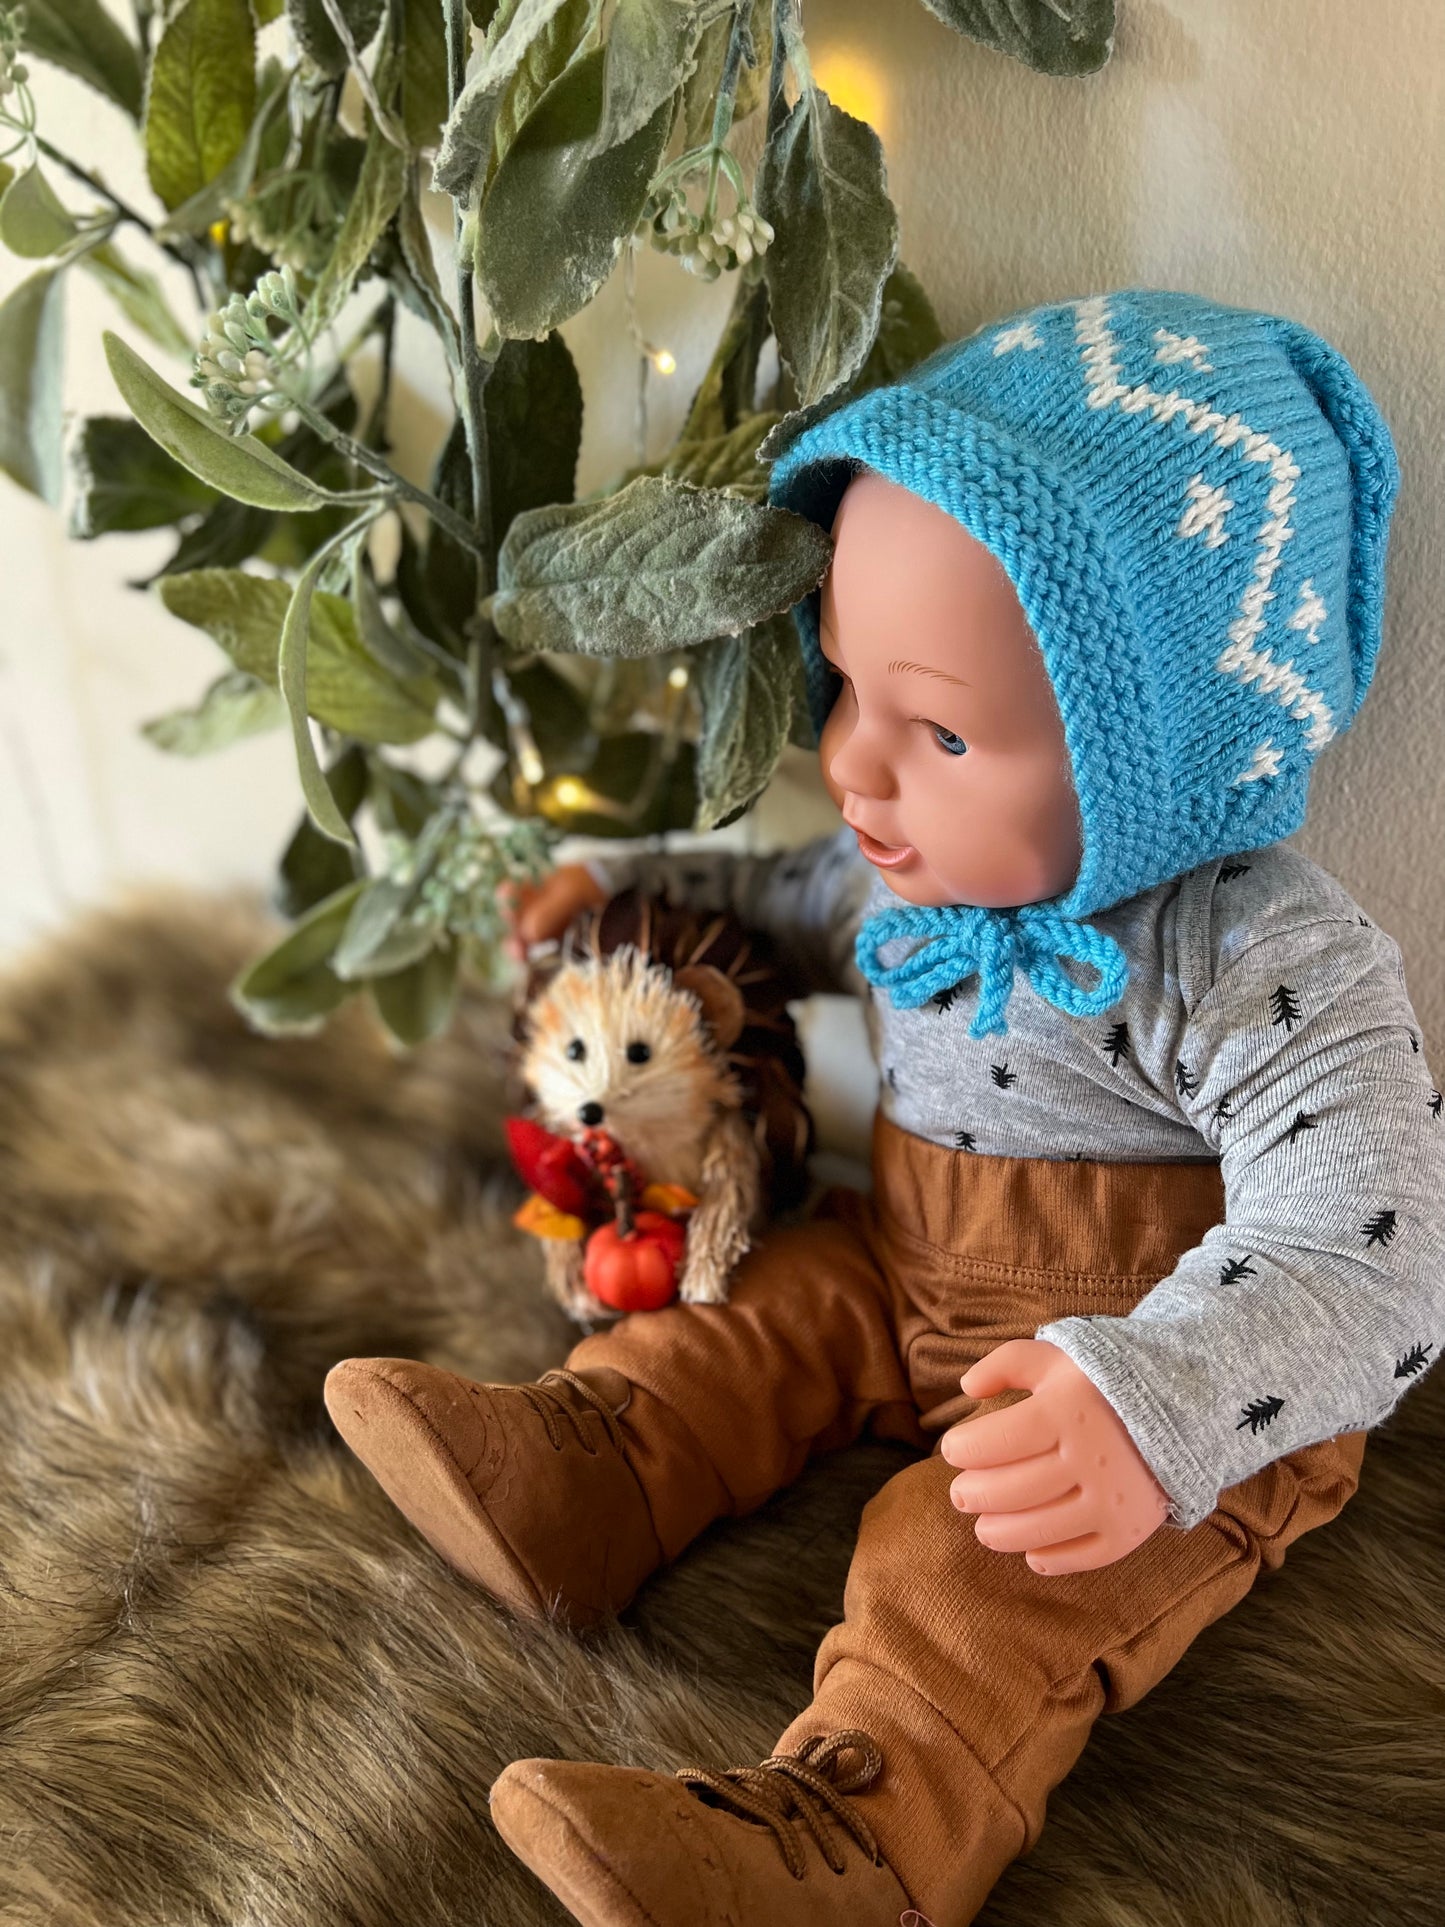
237,1691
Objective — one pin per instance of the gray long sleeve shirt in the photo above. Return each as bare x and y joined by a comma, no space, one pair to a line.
1266,1026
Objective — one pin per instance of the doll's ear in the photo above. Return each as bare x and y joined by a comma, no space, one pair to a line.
723,1011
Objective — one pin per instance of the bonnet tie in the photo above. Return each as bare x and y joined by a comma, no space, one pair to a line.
961,941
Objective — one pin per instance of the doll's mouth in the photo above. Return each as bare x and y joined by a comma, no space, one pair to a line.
886,856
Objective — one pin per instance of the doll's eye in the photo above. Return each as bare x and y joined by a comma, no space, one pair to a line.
575,1051
638,1053
955,745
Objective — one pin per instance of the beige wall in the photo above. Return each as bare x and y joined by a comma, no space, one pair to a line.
1282,155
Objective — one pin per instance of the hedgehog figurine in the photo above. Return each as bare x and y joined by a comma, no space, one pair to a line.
668,1111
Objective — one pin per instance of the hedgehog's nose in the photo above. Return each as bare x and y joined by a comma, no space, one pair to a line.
591,1112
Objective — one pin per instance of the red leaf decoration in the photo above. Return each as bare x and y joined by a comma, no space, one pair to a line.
552,1166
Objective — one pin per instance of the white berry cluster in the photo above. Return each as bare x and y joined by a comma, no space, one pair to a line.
238,363
461,892
704,247
13,71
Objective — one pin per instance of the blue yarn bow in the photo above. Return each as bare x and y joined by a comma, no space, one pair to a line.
992,944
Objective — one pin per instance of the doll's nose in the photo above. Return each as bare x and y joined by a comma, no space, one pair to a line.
590,1113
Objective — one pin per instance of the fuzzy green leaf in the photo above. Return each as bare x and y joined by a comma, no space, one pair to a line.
656,566
725,394
586,207
651,50
33,221
234,707
1055,36
123,481
823,186
208,203
293,989
467,136
31,369
238,465
202,96
417,1004
368,215
138,296
747,686
312,866
84,38
546,57
292,665
423,71
347,689
313,29
727,461
420,286
534,427
908,332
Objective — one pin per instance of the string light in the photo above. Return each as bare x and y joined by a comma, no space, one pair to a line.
569,793
664,361
677,677
851,81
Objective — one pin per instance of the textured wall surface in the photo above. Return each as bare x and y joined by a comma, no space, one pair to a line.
1284,156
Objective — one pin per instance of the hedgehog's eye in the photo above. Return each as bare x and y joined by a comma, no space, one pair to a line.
575,1051
638,1052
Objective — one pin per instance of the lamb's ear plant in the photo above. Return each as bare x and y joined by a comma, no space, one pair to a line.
620,665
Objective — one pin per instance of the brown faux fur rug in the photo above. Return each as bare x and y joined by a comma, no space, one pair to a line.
237,1691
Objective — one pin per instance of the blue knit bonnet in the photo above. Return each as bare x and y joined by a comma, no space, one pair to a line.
1192,502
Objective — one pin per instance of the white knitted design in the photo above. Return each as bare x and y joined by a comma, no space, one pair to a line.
1240,658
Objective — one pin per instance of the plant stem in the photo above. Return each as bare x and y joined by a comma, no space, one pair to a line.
367,458
778,71
474,419
124,210
722,119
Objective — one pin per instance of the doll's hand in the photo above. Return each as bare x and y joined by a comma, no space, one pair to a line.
541,911
1055,1476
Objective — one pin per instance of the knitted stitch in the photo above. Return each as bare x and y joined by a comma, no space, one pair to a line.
1192,502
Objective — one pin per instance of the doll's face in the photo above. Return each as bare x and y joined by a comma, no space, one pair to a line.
945,748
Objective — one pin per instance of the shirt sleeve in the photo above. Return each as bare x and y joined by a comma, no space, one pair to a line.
1321,1297
808,900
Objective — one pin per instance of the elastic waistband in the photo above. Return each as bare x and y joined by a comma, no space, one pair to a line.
1038,1214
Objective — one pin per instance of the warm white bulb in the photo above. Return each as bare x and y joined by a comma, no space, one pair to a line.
570,793
665,362
677,677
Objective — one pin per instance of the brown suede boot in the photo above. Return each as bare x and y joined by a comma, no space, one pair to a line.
751,1847
525,1489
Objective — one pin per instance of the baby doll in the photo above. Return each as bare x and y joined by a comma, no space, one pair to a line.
1156,1145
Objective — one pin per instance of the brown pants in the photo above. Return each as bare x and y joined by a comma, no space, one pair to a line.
979,1678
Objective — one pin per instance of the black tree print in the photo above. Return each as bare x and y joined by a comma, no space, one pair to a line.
945,999
1284,1007
1185,1082
892,1077
1237,1268
1116,1044
965,1140
1222,1110
1380,1229
1303,1121
1259,1413
1002,1075
1436,1103
1415,1360
1414,1043
1229,871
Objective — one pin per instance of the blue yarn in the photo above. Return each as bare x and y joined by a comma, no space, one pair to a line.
1192,502
992,945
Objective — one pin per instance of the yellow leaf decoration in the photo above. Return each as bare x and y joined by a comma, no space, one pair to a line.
674,1199
543,1220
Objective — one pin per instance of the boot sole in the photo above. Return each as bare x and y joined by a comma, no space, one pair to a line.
414,1467
566,1864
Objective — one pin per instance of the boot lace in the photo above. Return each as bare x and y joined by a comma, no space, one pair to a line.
553,1405
794,1793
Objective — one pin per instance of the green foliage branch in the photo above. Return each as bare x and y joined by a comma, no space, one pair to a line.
620,665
